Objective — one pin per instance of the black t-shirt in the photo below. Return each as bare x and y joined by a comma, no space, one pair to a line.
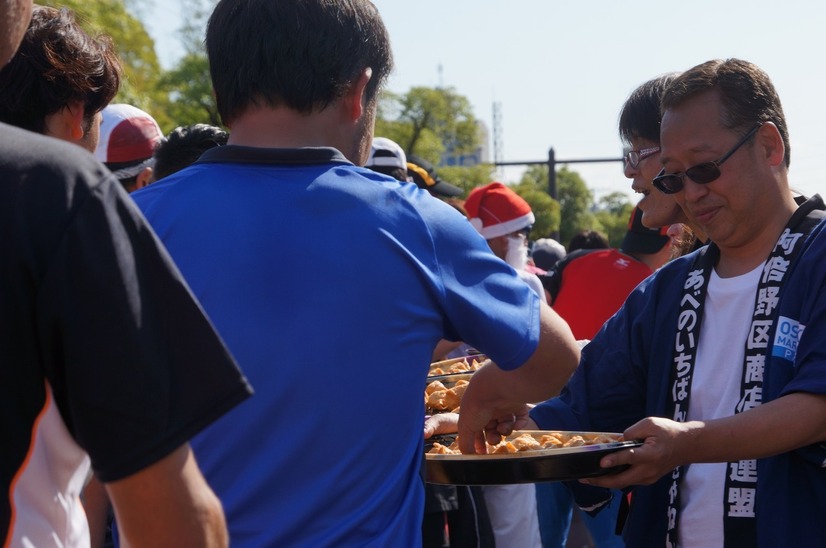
94,315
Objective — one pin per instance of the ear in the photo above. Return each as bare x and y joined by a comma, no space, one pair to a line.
66,123
769,138
499,246
354,100
143,178
74,114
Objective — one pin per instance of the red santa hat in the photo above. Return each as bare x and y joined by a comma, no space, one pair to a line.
496,210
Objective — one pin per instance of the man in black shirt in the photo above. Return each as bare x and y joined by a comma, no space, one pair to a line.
104,354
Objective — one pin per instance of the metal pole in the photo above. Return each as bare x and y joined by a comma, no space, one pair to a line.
552,183
551,163
552,173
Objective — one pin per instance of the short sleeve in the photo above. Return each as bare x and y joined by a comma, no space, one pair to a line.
485,303
135,366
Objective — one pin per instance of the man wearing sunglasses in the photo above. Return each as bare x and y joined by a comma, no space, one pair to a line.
717,360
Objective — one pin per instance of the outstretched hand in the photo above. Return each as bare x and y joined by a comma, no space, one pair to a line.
658,456
475,430
443,423
448,423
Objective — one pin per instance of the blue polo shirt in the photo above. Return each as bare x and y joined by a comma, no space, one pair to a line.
330,284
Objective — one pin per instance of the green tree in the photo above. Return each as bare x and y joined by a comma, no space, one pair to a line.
612,212
468,177
189,88
545,209
188,85
136,50
615,203
428,122
575,199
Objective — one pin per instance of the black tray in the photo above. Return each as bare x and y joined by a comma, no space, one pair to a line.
569,463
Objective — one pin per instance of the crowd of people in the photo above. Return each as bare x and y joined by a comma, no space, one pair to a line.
220,336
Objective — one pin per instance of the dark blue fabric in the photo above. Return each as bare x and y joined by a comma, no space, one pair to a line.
623,377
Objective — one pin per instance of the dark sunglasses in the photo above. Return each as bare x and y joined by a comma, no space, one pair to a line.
526,232
671,183
634,157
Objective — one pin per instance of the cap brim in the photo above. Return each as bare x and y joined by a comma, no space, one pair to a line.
446,189
635,242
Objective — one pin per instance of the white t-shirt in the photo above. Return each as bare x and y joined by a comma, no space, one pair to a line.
715,391
534,283
46,493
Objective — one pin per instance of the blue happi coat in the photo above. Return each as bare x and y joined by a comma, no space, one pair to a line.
624,376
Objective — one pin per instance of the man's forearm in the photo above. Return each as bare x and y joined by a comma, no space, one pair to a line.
788,423
547,370
493,393
168,504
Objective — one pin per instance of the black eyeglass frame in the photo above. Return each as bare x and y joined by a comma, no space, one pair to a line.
634,157
703,174
526,232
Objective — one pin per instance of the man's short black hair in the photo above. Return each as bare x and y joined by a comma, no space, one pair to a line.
640,115
587,239
746,93
302,54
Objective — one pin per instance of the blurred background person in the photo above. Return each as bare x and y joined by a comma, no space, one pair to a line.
546,252
424,175
183,146
388,157
589,285
128,138
587,239
505,220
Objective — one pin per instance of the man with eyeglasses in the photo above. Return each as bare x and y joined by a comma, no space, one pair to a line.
639,129
717,360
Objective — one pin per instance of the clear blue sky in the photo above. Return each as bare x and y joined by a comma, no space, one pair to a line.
562,69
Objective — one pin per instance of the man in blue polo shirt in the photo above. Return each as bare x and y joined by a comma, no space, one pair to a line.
331,284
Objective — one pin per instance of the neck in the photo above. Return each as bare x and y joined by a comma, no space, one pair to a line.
736,260
282,127
653,260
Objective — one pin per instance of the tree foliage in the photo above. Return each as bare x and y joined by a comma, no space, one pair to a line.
189,89
467,178
188,85
574,199
428,122
612,212
545,209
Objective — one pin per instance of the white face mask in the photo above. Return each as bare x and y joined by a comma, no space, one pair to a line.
517,255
